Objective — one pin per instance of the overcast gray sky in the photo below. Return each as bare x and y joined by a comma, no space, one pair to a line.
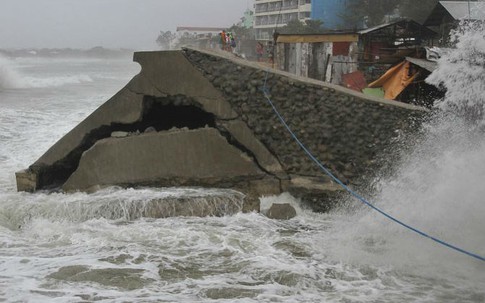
109,23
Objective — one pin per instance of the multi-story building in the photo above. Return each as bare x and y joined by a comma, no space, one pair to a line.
269,15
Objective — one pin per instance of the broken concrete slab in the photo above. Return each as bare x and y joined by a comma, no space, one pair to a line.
224,133
191,157
26,180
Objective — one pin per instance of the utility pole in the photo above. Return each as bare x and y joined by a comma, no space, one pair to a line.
469,11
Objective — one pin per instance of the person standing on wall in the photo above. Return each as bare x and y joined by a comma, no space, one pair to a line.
270,52
223,39
259,51
233,43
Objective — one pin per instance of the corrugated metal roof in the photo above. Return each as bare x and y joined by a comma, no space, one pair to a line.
404,22
459,9
287,38
426,64
371,29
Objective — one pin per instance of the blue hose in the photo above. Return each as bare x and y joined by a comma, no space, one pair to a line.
353,193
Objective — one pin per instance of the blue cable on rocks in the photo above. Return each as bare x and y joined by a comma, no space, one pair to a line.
353,193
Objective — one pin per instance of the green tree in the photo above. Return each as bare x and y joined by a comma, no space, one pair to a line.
241,32
417,11
165,40
314,26
360,13
186,40
298,27
367,13
292,27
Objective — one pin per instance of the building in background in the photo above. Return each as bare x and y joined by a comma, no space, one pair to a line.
248,19
270,15
273,14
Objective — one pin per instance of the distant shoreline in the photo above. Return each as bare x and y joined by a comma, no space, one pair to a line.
95,52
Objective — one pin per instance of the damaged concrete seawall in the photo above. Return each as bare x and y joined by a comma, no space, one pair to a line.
211,126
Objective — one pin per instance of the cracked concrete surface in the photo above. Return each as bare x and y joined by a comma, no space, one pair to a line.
214,144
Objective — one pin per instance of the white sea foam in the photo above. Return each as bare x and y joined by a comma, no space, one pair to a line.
117,204
461,72
57,247
12,78
56,81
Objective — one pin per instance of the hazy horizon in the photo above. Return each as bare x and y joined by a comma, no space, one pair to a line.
132,24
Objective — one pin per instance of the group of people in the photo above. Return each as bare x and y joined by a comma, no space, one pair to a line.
228,43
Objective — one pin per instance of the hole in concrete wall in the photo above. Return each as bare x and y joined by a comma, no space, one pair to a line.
164,114
160,113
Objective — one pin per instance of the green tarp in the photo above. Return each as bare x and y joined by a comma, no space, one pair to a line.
375,92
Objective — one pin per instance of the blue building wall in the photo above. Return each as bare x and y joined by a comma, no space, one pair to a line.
328,11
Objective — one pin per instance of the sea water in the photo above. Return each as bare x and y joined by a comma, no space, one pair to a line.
80,247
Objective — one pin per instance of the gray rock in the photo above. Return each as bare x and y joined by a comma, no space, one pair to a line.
281,211
119,134
150,129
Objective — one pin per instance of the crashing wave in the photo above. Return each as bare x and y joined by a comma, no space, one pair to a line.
462,72
9,78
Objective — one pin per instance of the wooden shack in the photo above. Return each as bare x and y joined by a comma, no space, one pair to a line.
331,55
319,56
